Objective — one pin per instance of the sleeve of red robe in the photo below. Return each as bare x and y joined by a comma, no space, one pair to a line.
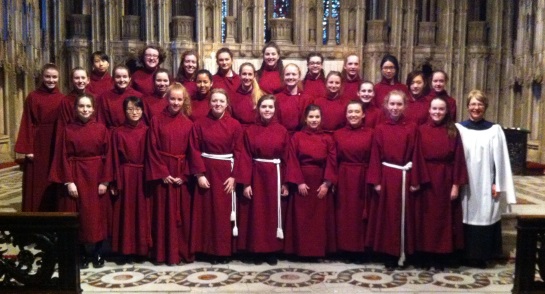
155,167
293,168
107,172
374,173
460,176
238,139
198,166
330,173
419,172
243,168
25,138
61,168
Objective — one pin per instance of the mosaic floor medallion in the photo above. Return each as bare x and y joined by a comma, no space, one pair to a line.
460,280
372,278
505,277
290,277
207,277
122,278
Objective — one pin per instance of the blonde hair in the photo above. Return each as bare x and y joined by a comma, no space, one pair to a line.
256,90
479,96
300,82
177,86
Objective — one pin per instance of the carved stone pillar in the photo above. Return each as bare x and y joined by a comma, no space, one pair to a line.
130,27
281,30
377,31
426,33
182,28
331,31
80,26
231,28
476,33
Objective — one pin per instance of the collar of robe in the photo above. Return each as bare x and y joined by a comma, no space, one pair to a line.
477,125
97,76
45,89
391,82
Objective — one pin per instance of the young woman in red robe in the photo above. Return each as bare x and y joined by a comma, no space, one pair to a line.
439,225
333,105
261,171
131,232
419,99
80,81
244,101
142,80
83,164
167,173
373,115
291,101
351,76
314,81
101,80
352,195
389,67
217,139
312,167
36,139
396,170
111,112
439,80
225,78
156,103
270,73
187,71
201,99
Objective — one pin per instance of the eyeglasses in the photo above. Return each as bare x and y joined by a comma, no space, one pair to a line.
134,110
388,67
314,63
151,56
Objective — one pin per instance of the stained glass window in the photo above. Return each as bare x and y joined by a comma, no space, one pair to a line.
224,11
281,8
331,9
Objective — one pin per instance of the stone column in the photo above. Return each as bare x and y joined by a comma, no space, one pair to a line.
130,27
426,33
182,28
377,31
331,31
231,28
80,26
281,30
476,33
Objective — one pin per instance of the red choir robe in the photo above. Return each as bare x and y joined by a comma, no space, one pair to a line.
84,158
229,84
384,87
439,225
373,115
190,87
290,109
142,81
37,136
270,81
111,112
200,105
153,105
257,217
211,227
99,83
395,142
131,232
451,103
333,112
243,108
350,88
314,87
312,160
167,154
418,109
352,197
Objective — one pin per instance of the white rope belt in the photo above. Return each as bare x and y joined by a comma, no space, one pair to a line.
404,168
279,231
227,157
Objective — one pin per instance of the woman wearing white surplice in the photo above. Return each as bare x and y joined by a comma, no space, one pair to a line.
491,189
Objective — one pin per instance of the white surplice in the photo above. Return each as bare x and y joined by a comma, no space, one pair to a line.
488,163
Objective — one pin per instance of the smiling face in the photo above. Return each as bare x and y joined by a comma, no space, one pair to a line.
333,84
121,78
162,81
84,109
315,65
438,82
270,57
417,85
218,104
395,106
266,110
476,109
204,84
366,92
352,65
225,62
133,112
313,119
80,80
354,115
247,75
151,58
292,75
190,64
50,78
438,110
388,70
175,101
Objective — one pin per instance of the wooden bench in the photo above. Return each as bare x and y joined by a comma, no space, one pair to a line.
530,260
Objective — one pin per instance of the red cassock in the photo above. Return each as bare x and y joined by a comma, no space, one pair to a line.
229,84
200,105
270,81
153,105
439,225
350,88
290,109
310,220
131,233
352,192
190,87
84,158
211,226
384,87
451,103
314,88
373,115
37,136
418,109
99,83
111,112
142,81
395,142
243,108
333,113
168,153
258,217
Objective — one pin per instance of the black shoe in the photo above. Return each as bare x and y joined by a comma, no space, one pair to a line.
258,261
98,261
271,260
84,262
390,265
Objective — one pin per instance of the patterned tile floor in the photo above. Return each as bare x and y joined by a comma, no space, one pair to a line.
290,277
